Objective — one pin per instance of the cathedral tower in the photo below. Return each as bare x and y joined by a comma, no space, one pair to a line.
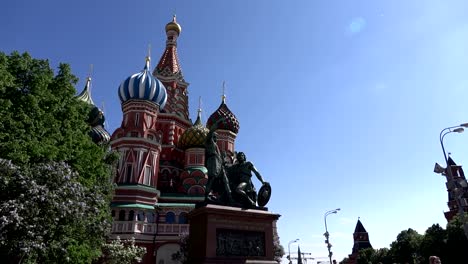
137,140
174,117
228,127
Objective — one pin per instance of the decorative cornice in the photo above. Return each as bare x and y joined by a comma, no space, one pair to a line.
139,187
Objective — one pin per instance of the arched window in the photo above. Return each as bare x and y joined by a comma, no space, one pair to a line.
122,215
131,216
170,218
183,218
150,218
141,216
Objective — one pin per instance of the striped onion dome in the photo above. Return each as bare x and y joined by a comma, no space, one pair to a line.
143,86
194,136
99,134
225,118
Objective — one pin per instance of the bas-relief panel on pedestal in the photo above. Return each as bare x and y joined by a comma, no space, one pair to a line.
239,243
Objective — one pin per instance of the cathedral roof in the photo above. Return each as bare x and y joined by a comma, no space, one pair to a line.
194,136
173,25
96,117
99,134
169,63
143,86
225,118
85,95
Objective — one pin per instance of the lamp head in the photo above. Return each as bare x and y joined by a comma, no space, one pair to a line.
459,129
439,169
464,125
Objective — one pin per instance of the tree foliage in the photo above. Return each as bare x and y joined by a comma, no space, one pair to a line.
406,246
448,244
41,119
278,249
47,216
122,252
182,254
55,182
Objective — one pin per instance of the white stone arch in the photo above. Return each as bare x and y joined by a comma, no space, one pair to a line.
164,254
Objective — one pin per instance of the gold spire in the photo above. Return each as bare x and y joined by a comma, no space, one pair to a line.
148,58
91,66
223,97
88,79
198,121
199,106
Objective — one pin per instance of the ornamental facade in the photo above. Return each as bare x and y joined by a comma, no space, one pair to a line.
161,171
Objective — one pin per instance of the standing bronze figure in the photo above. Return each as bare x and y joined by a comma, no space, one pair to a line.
214,162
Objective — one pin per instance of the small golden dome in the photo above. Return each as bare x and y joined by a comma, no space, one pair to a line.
173,25
195,136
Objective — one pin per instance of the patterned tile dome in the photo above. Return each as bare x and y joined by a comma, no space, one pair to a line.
227,120
194,136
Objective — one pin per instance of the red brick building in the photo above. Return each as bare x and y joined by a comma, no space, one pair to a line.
161,172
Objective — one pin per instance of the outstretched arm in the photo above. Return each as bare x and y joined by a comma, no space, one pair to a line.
254,170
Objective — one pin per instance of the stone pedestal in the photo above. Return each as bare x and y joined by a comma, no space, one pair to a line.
223,234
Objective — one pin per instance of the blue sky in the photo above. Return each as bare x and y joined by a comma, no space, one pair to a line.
340,103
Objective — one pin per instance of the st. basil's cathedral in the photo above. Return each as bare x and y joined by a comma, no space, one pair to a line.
161,172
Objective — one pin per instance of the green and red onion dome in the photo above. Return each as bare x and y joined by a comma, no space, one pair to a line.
227,120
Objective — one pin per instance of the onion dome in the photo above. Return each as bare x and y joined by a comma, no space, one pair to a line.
194,136
225,118
99,134
85,95
143,86
173,25
96,117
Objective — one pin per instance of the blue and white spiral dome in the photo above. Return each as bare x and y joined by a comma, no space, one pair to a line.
143,86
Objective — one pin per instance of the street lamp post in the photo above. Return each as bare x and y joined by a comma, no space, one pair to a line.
327,235
289,248
457,191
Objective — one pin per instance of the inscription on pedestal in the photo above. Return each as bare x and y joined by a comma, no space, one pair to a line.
239,243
